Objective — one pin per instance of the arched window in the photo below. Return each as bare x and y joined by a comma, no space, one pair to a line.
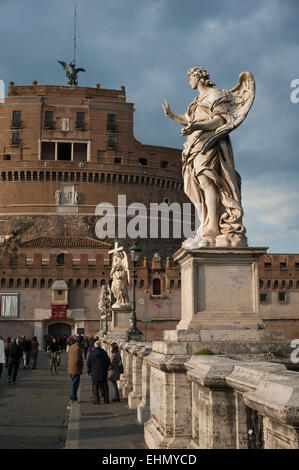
60,259
70,283
261,283
86,283
141,284
19,282
78,283
94,283
26,283
50,282
42,283
10,283
171,283
103,282
275,285
156,286
34,283
179,284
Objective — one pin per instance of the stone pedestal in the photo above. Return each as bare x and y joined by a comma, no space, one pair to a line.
220,304
219,288
120,323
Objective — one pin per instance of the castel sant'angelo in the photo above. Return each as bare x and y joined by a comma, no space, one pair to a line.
64,151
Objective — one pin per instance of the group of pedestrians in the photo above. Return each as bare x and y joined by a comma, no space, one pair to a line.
18,352
23,352
99,367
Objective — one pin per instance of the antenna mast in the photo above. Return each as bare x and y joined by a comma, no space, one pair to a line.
75,33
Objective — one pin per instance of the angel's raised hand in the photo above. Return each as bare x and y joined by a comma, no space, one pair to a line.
166,109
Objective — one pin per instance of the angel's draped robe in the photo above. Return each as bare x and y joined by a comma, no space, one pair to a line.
217,164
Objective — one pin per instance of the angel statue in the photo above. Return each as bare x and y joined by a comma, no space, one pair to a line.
120,277
210,179
71,72
102,300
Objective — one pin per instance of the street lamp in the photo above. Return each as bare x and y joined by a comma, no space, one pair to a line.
135,257
107,305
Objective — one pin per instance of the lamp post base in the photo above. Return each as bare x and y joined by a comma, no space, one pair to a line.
134,335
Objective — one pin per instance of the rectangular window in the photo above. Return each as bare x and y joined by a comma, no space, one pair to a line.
16,138
64,151
16,119
49,123
268,265
283,265
9,305
80,152
296,265
47,151
111,126
282,296
80,124
111,141
263,298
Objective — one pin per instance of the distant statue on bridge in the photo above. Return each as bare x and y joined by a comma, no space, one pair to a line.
120,276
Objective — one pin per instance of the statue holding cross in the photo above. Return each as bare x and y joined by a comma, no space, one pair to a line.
120,276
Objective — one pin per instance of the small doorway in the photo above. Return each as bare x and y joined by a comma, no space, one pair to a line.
59,329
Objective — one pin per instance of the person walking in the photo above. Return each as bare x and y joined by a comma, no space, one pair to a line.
22,344
2,355
98,363
75,366
85,346
14,354
6,344
34,352
115,370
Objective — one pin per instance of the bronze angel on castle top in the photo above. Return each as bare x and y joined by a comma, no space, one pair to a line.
210,179
71,72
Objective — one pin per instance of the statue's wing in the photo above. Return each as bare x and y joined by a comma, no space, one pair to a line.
80,70
64,65
241,99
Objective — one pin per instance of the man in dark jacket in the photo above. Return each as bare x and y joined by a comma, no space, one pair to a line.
14,354
98,363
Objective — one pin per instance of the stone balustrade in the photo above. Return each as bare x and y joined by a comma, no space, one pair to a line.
209,402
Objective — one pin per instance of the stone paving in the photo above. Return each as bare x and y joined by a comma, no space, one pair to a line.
35,414
104,426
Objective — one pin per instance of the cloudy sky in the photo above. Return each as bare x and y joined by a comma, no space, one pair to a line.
147,45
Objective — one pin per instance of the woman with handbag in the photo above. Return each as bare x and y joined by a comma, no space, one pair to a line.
115,370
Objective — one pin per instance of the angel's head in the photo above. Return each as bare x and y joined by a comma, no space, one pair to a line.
199,74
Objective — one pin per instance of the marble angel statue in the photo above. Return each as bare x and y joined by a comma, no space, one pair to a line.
104,301
210,179
120,279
